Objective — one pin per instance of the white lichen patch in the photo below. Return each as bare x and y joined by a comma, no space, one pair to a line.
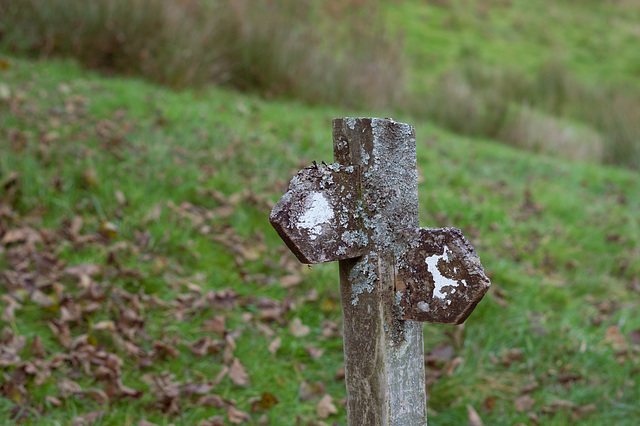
398,303
423,306
318,211
439,280
363,276
354,238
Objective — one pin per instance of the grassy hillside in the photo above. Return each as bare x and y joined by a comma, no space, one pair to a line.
594,40
141,280
558,77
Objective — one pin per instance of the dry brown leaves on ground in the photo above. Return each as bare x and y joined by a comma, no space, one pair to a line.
94,351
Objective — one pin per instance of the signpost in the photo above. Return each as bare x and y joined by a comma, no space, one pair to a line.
363,211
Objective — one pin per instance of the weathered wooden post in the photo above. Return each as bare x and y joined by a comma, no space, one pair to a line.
363,211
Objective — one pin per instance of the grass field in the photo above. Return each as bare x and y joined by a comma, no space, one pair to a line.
558,77
141,282
134,226
597,42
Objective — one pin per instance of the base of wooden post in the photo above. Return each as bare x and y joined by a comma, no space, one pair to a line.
383,356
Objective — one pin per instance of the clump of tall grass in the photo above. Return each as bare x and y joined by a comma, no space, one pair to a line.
552,112
276,47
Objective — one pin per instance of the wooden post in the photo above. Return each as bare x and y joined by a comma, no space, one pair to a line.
363,211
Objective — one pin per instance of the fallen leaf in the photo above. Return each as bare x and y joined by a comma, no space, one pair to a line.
104,326
196,388
212,401
68,387
52,400
236,416
237,374
453,365
534,418
162,350
61,331
153,215
8,314
567,378
289,281
98,395
634,336
70,312
213,421
557,405
314,353
108,230
442,352
223,372
297,329
230,346
270,309
21,235
274,345
331,329
509,356
37,349
165,390
326,407
583,411
529,387
205,345
489,404
473,417
88,418
42,300
81,270
266,401
309,391
311,296
89,177
615,338
5,92
215,325
524,403
120,198
563,403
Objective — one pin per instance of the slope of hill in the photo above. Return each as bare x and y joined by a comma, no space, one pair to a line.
142,281
559,77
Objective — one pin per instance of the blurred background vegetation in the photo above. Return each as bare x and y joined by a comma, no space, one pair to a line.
560,77
154,196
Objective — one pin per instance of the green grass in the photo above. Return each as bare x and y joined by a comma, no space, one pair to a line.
530,74
559,241
519,35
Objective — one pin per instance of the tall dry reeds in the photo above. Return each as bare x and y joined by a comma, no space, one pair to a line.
553,112
276,47
334,52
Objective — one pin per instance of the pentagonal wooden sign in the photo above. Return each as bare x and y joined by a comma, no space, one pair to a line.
318,216
440,278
